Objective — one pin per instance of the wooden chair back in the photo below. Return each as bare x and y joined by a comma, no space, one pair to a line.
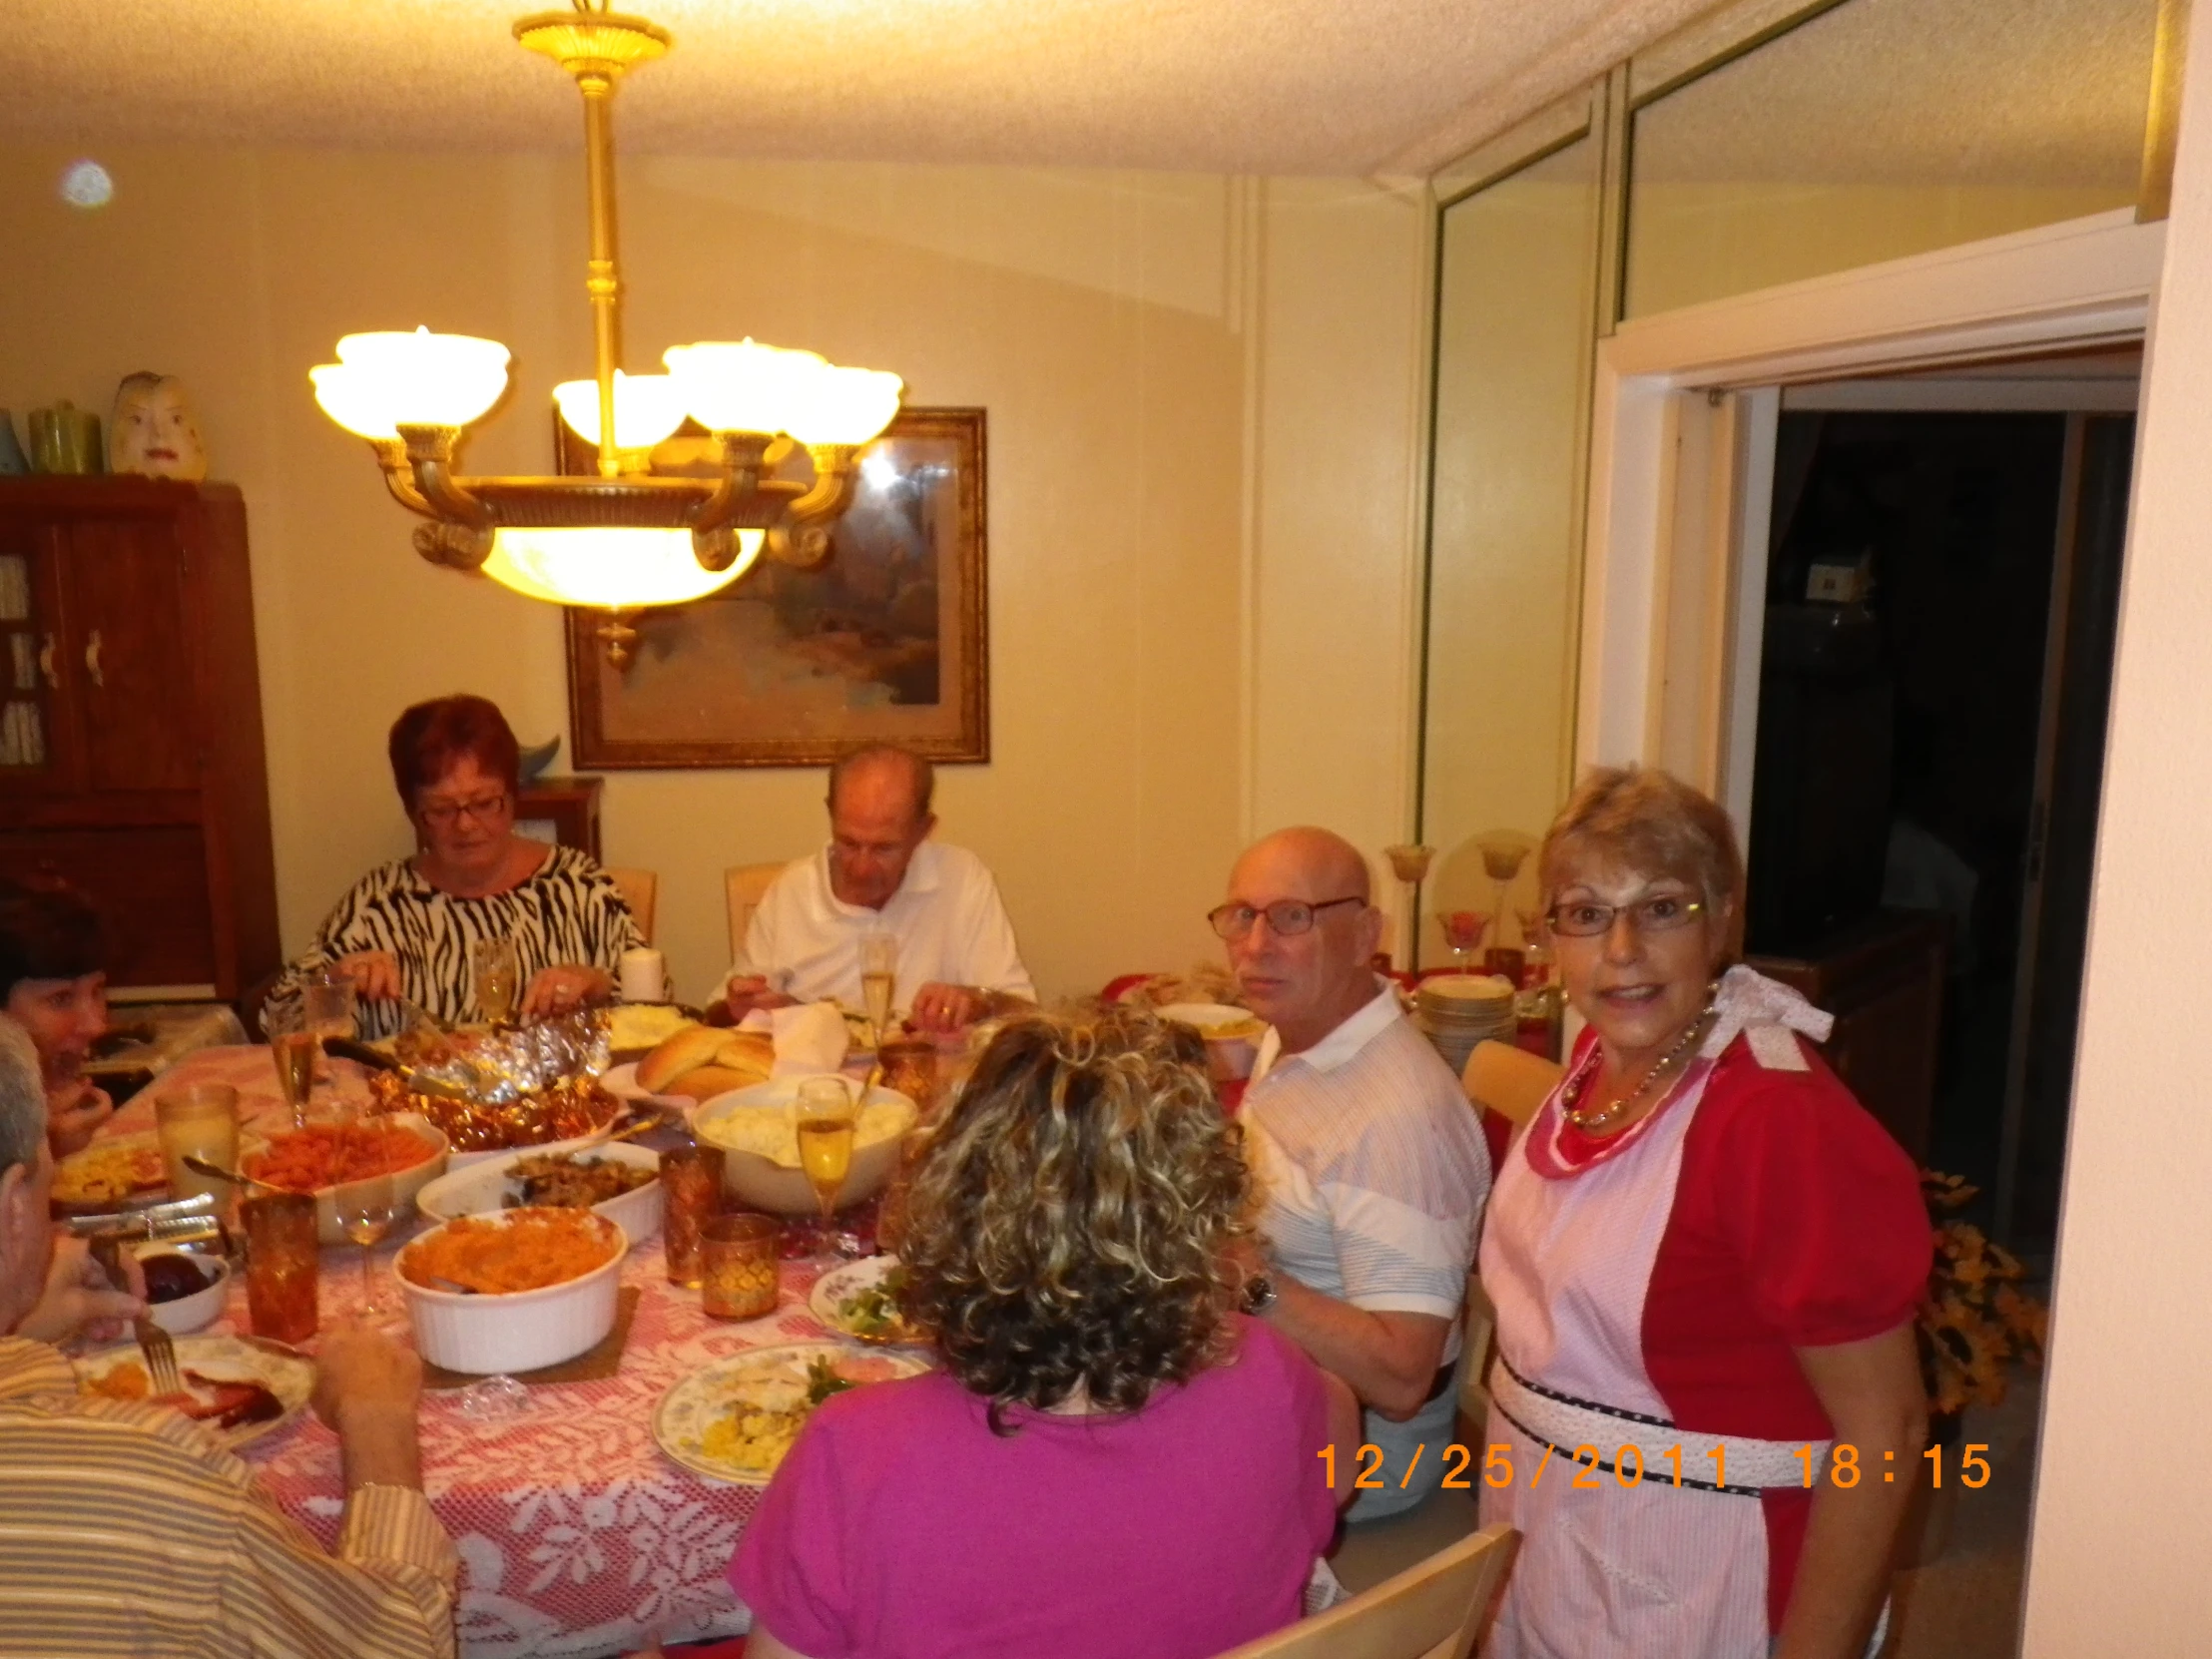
640,890
1511,1081
1434,1609
744,887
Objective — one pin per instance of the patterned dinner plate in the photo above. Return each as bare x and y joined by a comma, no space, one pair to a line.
836,1292
734,1420
284,1372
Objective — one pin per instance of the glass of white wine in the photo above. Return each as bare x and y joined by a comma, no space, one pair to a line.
878,980
828,1120
364,1210
497,967
292,1047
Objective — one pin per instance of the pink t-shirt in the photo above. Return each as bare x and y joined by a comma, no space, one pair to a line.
900,1527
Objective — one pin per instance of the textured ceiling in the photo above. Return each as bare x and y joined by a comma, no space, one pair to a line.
1261,86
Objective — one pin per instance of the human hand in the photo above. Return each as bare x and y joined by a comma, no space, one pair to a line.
374,974
563,991
79,1298
946,1007
752,993
360,1372
73,1112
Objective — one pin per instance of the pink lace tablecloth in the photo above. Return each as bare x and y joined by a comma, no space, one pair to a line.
576,1536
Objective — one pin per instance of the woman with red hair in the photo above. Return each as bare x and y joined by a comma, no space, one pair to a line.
406,927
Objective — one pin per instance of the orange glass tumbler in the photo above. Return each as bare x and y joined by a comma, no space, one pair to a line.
282,1259
737,1266
691,1181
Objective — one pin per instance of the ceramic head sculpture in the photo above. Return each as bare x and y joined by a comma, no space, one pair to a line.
153,432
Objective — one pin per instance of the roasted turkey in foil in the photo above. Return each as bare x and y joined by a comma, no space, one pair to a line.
524,1085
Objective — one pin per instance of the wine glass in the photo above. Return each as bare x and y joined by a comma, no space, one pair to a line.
828,1120
878,979
1463,932
293,1046
497,967
364,1210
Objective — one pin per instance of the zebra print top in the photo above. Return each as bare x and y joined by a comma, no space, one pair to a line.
568,912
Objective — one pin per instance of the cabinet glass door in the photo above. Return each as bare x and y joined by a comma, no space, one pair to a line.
27,646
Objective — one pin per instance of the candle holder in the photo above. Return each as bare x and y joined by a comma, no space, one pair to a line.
1410,863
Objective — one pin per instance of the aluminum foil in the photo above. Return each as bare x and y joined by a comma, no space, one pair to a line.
501,1066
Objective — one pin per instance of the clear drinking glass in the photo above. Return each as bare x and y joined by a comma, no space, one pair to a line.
1462,933
326,1007
364,1210
200,1122
878,980
497,968
828,1118
292,1048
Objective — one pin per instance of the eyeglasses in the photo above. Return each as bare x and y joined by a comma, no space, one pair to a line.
446,814
1285,915
1660,913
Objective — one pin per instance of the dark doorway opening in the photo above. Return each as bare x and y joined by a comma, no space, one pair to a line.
1942,592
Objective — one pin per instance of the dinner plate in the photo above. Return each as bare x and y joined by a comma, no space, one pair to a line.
840,1285
117,1158
711,1394
284,1372
622,1082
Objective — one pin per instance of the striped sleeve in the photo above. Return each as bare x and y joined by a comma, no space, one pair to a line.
387,1595
28,1367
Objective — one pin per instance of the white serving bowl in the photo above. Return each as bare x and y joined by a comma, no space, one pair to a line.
194,1312
1232,1035
480,1188
479,1334
404,1183
762,1183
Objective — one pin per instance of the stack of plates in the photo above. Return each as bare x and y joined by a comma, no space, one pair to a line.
1458,1010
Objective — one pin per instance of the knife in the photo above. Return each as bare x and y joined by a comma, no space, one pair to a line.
345,1048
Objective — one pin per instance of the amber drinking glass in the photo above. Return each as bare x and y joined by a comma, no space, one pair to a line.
738,1257
281,1260
911,1069
691,1181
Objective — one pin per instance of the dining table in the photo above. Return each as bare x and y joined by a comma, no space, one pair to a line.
577,1537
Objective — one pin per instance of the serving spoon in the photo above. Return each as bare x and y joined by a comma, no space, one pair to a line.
202,1166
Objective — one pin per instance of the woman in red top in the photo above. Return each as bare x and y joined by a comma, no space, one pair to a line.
1706,1258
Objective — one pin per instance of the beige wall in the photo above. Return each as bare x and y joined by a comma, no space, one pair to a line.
2117,1560
1693,242
1111,323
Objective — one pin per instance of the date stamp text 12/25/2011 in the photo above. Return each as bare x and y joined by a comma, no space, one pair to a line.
1626,1466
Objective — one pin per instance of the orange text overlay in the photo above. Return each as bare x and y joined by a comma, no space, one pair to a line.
1591,1466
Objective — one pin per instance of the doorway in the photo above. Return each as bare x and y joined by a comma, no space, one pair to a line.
1940,598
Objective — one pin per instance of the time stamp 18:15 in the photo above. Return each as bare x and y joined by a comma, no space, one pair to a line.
1626,1466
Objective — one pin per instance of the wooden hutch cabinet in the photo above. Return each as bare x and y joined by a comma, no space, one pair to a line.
130,760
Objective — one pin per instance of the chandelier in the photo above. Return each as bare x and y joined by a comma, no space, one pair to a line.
623,540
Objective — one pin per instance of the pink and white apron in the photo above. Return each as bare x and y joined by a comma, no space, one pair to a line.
1616,1565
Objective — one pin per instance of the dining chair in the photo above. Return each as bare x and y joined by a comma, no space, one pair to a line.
641,892
1511,1081
1434,1609
746,885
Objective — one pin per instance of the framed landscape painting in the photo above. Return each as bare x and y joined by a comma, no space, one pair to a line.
884,641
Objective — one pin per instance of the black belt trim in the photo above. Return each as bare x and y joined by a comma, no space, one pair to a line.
1585,1405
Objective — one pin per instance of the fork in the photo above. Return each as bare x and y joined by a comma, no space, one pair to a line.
154,1343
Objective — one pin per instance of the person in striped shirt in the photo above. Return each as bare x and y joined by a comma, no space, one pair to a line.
1372,1160
127,1529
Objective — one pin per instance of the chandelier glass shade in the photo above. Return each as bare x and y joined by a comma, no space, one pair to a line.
625,539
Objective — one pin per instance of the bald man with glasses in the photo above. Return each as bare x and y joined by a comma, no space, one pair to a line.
1372,1162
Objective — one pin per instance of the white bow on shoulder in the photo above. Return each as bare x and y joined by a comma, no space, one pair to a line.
1766,1011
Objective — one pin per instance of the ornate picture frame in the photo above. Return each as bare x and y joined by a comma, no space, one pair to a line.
887,641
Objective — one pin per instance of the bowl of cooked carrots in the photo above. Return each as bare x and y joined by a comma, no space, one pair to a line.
326,1157
513,1290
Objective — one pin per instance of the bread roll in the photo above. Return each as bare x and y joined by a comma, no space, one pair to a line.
738,1059
695,1045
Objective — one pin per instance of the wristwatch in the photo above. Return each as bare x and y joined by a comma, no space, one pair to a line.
1258,1295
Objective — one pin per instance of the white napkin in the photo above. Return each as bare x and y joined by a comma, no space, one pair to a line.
810,1039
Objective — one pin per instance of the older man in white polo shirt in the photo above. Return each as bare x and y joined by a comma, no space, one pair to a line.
1373,1167
881,873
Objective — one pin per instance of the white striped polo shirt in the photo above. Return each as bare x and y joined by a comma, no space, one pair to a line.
1375,1173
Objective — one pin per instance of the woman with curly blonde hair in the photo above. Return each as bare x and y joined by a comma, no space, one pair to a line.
1105,1419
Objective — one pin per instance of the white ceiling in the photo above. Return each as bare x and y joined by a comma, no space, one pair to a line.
1259,86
